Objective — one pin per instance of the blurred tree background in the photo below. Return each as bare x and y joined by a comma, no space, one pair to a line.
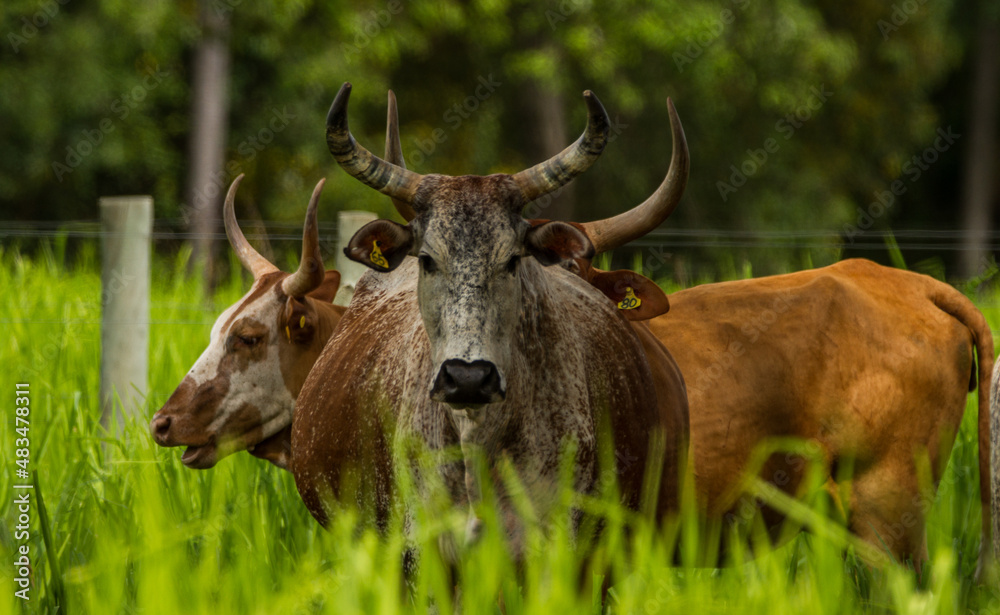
800,115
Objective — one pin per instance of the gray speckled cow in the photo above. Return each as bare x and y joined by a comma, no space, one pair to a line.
508,357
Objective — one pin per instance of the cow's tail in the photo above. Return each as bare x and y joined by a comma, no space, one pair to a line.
961,308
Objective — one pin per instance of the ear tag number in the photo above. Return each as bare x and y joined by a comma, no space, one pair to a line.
630,302
376,256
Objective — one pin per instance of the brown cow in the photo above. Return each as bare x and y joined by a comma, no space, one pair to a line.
870,364
241,391
507,357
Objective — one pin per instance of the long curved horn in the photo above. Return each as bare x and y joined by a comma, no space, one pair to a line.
251,259
360,163
309,275
575,159
627,226
394,153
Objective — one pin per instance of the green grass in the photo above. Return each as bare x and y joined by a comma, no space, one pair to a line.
133,531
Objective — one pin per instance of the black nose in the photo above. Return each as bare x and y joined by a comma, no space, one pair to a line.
160,428
459,382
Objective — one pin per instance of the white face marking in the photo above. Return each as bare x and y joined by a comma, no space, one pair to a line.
260,387
206,368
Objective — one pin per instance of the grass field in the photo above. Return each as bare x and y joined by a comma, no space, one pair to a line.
127,529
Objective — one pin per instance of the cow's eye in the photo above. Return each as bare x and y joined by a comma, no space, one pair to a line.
248,341
427,264
512,264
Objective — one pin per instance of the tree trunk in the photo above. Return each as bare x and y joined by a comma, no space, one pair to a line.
981,150
548,116
209,116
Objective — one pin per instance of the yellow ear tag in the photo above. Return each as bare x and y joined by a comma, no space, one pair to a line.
630,302
376,256
288,332
302,322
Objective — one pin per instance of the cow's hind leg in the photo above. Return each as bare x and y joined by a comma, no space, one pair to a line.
887,511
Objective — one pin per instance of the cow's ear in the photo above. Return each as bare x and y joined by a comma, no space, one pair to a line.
553,242
298,321
380,244
328,289
636,296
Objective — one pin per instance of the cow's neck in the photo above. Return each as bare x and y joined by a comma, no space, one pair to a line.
531,427
278,448
328,318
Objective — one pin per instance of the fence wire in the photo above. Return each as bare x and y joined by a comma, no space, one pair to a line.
907,239
175,231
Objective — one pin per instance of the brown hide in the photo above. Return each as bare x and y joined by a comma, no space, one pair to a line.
347,412
671,397
872,364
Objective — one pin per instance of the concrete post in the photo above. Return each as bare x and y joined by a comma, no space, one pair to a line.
126,223
348,223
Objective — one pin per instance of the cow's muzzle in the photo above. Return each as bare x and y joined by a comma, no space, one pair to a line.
159,427
200,457
460,383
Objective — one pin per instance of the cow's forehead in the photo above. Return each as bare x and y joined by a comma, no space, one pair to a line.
259,300
470,216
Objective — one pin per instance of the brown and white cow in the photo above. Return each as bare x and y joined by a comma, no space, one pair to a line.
240,393
508,357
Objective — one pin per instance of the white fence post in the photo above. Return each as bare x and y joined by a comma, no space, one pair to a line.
348,223
126,224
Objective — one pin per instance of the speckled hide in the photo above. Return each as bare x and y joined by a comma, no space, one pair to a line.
576,364
527,358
